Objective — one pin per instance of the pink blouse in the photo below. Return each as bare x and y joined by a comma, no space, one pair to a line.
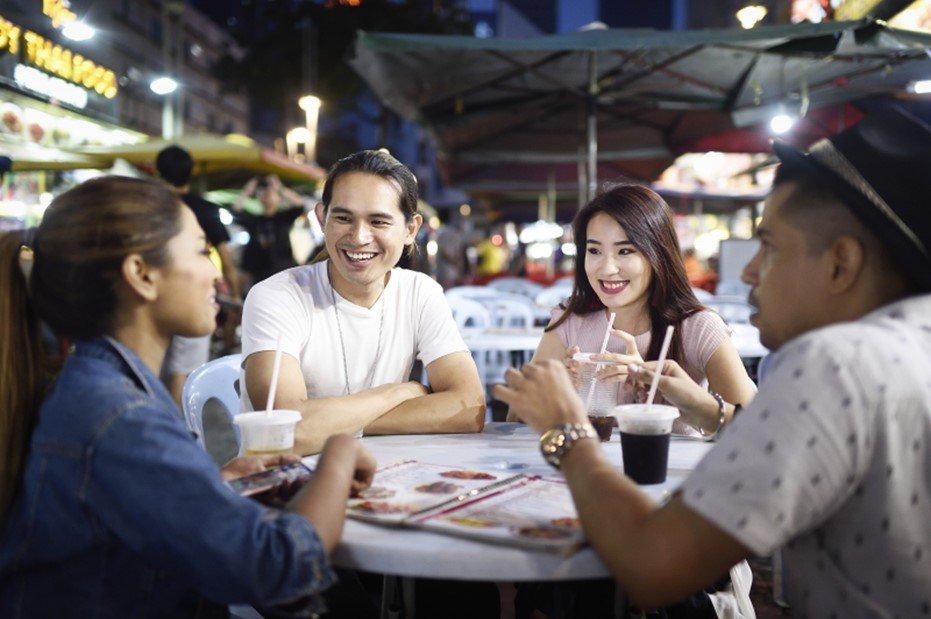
702,333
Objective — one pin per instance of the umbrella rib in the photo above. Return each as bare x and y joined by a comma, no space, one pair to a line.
525,121
731,99
662,68
496,81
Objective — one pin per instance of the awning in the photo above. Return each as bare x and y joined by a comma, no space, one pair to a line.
33,157
213,153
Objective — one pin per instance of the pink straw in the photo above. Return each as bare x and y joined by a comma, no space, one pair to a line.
276,368
659,366
604,347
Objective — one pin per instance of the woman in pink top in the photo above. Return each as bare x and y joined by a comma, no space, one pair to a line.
631,266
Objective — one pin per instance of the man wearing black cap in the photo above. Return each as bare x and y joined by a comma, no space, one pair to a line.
832,459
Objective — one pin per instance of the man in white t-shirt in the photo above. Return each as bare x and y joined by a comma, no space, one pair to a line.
352,325
832,459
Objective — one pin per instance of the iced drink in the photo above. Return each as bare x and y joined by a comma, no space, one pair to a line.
603,396
603,425
645,440
267,433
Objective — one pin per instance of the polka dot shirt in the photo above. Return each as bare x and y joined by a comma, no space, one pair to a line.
832,462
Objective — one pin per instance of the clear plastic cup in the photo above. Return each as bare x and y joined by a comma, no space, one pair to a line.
603,395
645,440
267,433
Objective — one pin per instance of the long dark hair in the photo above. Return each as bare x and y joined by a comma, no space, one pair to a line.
76,258
647,220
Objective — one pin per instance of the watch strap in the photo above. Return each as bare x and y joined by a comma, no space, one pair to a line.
558,440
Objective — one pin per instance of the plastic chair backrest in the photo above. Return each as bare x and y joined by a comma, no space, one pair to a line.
510,311
516,285
552,296
471,292
215,380
732,311
469,314
732,287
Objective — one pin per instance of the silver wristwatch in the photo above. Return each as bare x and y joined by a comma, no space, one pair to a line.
558,440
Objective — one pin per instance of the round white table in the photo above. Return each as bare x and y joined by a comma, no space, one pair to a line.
500,447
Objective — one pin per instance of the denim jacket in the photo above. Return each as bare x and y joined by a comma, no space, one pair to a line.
121,514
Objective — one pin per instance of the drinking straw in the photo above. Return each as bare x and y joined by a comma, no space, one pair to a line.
659,366
276,367
604,347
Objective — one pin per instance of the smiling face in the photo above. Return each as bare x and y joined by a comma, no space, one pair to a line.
186,304
365,234
788,281
616,270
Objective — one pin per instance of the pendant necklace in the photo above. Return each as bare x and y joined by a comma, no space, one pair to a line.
342,346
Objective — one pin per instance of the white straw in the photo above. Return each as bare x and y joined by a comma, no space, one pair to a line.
276,367
604,347
659,366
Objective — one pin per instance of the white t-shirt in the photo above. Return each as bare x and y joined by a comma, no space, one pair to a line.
832,461
411,319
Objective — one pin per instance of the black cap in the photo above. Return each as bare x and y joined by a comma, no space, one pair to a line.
881,170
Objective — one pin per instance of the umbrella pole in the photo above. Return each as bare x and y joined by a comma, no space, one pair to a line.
592,125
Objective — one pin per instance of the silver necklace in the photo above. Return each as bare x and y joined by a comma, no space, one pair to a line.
342,346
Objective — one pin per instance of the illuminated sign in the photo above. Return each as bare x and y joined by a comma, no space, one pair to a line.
854,9
59,61
57,11
50,86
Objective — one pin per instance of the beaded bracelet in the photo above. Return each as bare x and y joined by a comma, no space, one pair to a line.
710,436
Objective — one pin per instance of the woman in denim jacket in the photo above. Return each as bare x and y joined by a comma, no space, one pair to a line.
109,507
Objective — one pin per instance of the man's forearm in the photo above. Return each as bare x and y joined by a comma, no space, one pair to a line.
657,556
323,417
454,411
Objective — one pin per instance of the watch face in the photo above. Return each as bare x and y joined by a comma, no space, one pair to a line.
552,444
555,442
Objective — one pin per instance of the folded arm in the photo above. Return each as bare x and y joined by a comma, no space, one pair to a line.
321,417
457,403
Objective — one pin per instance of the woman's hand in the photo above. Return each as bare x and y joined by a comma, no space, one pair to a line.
344,469
353,457
542,395
248,465
675,385
574,366
617,363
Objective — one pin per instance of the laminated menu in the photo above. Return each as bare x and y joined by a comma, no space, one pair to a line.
273,486
523,510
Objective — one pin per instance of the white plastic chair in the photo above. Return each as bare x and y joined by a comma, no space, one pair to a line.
216,381
476,293
551,297
732,287
509,311
470,314
731,310
516,285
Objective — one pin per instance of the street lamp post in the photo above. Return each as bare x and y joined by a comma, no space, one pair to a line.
311,106
296,136
167,85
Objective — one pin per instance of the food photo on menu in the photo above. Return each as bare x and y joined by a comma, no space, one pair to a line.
521,510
